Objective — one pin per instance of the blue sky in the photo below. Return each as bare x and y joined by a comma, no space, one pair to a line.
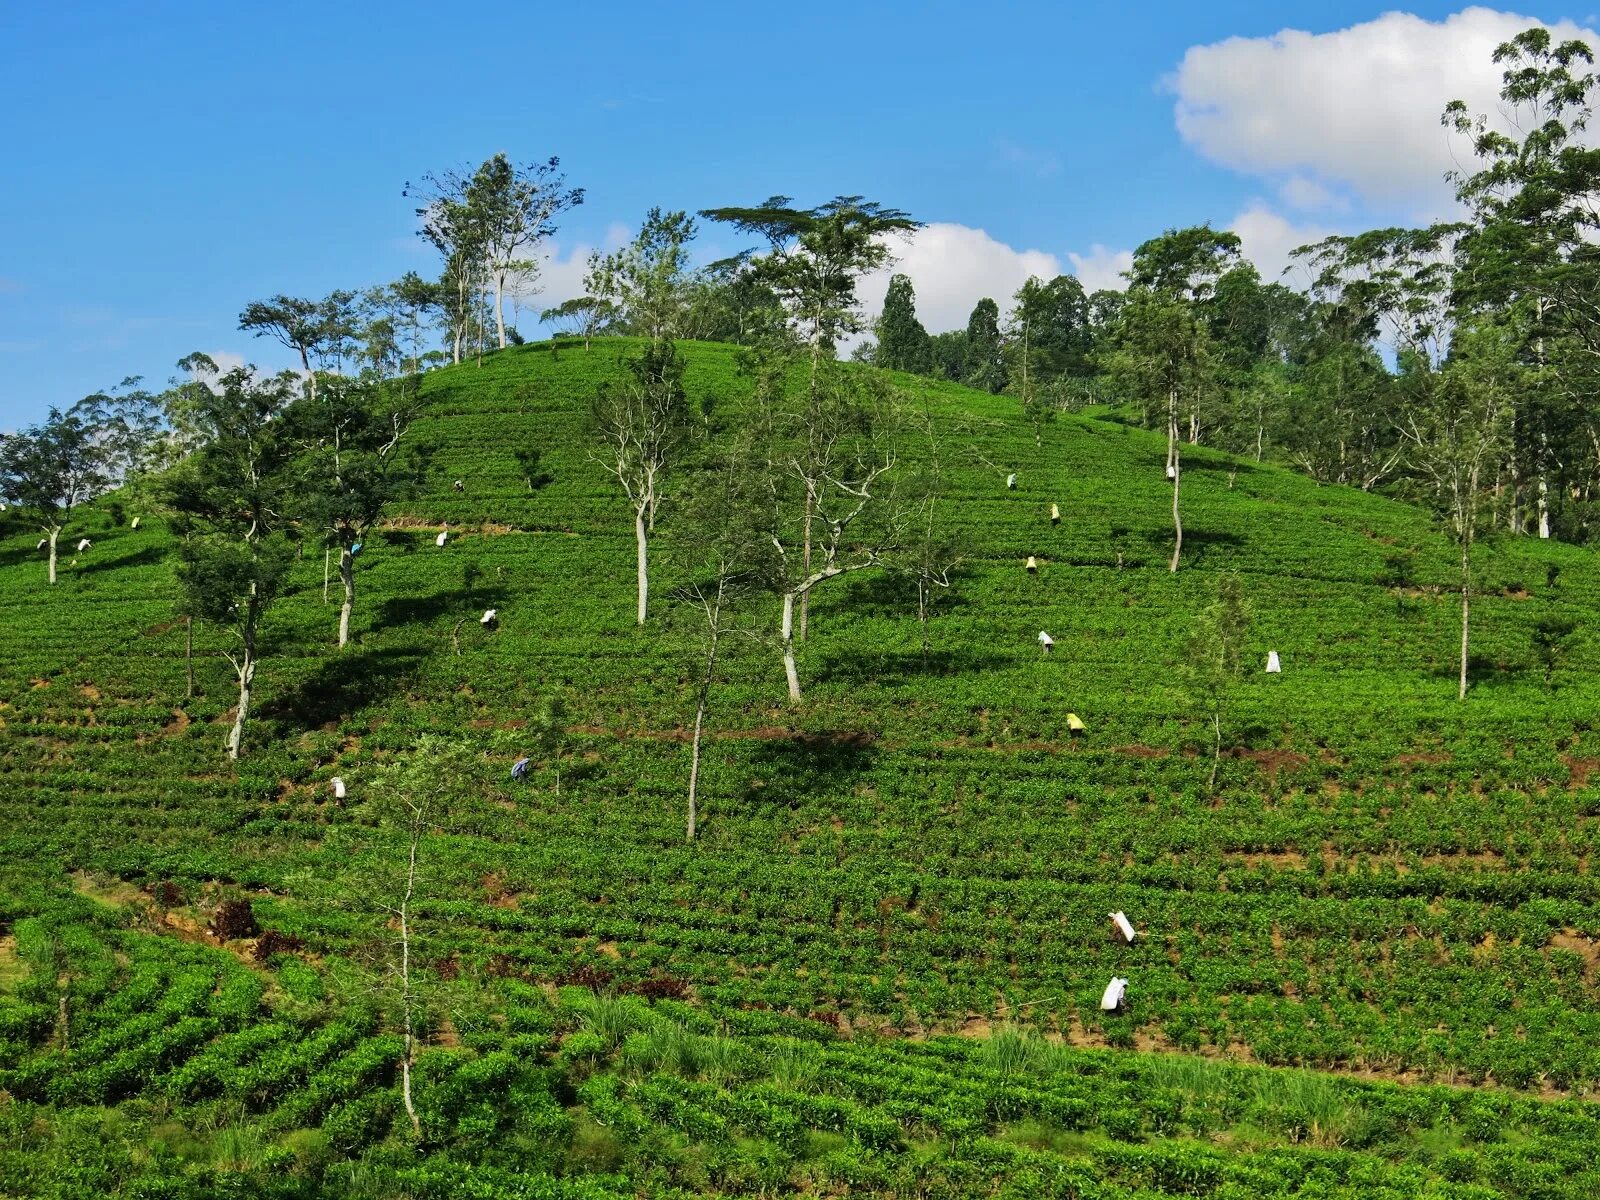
167,163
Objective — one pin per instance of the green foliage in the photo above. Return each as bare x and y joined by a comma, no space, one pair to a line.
902,341
984,358
916,848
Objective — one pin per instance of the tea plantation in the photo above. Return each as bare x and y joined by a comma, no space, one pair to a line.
1367,964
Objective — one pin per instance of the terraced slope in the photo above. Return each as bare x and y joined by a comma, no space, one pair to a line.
1386,882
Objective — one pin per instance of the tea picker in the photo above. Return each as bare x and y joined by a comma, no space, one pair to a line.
135,524
444,535
459,486
1274,667
338,787
1033,565
1011,482
1046,642
519,769
1115,995
1123,927
84,544
1055,514
490,619
1075,725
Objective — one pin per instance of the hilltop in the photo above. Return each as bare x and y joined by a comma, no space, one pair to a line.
1387,884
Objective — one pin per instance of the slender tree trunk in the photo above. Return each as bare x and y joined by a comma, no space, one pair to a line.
54,532
642,543
1216,749
347,576
805,566
922,617
188,655
1466,592
327,558
1172,430
405,987
1175,469
1544,507
499,308
247,678
699,726
787,637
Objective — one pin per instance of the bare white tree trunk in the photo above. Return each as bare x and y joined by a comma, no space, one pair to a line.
1216,750
347,576
55,532
714,614
1174,469
694,767
805,561
499,307
641,538
1466,592
405,983
327,558
786,635
247,678
1544,507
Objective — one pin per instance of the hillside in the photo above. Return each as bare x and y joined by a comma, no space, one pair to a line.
1388,884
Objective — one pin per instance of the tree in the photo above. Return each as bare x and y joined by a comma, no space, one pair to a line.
320,330
1551,634
236,497
985,352
1531,246
414,801
948,354
648,281
52,468
1163,345
457,232
827,507
930,553
814,259
583,316
548,732
396,318
487,225
726,563
641,423
902,341
730,302
1457,430
1215,654
1048,341
352,467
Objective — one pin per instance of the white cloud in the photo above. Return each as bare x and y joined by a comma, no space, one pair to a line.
1101,269
952,267
1357,107
1267,237
227,360
1308,195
